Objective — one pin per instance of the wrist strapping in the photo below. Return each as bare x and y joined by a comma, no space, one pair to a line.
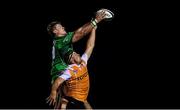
94,22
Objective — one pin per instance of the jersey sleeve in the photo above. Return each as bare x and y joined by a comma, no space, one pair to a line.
84,57
66,75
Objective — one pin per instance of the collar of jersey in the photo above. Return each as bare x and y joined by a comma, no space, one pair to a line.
56,38
70,66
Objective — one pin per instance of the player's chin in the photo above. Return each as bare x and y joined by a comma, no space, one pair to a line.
64,33
78,61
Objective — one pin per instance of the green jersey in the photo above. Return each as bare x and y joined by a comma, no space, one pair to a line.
62,46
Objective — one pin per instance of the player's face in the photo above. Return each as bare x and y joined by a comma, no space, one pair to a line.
59,29
75,58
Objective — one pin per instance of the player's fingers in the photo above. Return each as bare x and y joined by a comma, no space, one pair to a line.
54,102
50,102
103,14
47,100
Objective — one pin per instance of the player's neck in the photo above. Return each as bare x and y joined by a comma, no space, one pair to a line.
60,35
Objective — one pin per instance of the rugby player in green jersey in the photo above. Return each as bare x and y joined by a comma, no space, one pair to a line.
63,42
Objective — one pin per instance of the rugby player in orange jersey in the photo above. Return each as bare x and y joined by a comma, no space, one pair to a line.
76,78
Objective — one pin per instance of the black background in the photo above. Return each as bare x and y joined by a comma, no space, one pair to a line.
133,64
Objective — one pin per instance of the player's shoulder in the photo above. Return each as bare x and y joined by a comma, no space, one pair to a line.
84,58
68,37
69,34
84,63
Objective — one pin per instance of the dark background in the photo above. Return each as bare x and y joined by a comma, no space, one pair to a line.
133,65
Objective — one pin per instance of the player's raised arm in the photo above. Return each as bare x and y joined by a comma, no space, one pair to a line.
85,29
90,43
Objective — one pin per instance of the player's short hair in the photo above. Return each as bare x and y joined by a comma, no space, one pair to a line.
51,25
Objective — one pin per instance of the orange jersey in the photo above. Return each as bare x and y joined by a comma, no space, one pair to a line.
78,84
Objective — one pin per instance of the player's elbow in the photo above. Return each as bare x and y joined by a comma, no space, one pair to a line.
57,82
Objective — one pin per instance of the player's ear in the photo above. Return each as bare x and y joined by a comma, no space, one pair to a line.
54,31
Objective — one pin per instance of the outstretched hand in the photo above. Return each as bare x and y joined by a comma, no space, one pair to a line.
52,98
100,15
